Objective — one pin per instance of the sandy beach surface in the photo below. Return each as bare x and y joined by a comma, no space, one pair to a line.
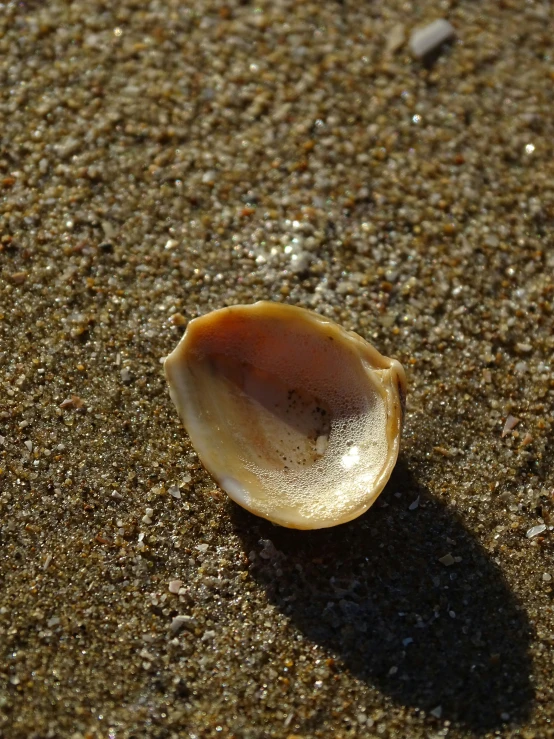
161,159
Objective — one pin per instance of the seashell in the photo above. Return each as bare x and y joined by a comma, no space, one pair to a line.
297,419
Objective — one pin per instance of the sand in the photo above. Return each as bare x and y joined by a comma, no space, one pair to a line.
159,160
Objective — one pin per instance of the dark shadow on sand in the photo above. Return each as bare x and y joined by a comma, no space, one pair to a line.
376,595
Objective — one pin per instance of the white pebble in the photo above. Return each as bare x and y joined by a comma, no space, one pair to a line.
208,177
546,577
29,445
425,40
175,586
174,492
202,547
300,261
521,368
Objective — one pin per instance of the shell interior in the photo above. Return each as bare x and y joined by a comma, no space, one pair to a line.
292,415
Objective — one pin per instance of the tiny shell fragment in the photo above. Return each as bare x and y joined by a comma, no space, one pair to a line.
511,423
527,439
74,401
298,420
535,530
180,622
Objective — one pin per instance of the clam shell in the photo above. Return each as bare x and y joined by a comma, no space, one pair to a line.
297,419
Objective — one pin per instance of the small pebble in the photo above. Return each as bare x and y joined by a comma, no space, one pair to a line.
521,368
424,41
175,586
178,319
524,348
109,230
18,278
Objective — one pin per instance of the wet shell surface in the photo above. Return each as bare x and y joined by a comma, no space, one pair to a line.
297,419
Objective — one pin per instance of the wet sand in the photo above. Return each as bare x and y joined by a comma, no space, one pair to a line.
164,159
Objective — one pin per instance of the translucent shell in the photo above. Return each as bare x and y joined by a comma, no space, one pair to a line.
297,419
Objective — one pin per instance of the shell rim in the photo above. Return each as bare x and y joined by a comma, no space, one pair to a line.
393,387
